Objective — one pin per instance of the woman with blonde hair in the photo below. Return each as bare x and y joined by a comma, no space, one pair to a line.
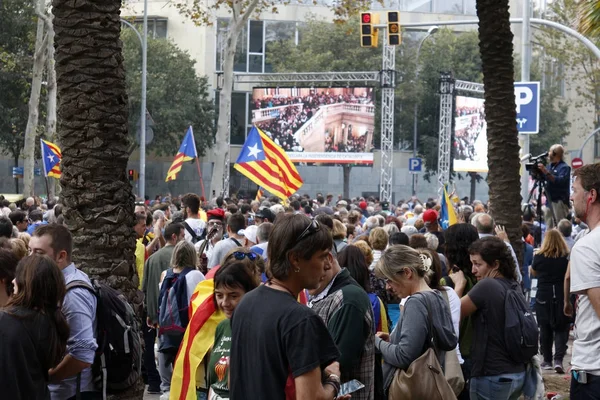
339,235
404,271
549,267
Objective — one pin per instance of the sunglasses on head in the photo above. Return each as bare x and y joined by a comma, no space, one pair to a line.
240,255
312,228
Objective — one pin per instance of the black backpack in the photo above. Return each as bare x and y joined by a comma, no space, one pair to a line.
118,361
195,238
520,328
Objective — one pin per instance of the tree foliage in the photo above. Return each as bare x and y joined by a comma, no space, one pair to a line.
17,36
175,98
589,17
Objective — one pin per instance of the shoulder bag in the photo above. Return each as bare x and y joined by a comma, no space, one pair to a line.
424,378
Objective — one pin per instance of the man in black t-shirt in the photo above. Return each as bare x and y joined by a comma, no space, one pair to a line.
280,348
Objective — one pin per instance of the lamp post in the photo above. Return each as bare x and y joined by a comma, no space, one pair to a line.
144,43
430,32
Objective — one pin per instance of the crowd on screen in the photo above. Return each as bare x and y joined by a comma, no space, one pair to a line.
288,121
464,141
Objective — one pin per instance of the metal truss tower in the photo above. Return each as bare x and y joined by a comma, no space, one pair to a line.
448,87
388,85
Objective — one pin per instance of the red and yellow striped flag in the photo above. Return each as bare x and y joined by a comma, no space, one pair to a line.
266,164
259,194
199,337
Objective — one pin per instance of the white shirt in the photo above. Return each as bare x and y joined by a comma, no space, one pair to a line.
585,274
197,226
454,301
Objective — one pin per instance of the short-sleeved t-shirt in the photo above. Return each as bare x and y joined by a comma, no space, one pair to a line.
490,356
274,340
218,366
550,272
585,274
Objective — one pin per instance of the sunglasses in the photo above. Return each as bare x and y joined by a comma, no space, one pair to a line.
240,255
312,228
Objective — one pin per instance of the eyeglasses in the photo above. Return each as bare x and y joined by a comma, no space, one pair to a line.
240,255
215,223
313,227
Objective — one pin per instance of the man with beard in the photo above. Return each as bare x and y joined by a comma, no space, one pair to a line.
585,283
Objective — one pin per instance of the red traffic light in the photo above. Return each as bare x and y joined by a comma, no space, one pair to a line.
366,18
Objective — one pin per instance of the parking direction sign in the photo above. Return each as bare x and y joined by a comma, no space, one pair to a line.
415,165
527,99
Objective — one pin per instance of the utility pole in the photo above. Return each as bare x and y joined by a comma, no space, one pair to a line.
142,174
525,76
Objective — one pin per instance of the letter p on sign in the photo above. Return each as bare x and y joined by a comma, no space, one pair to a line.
523,96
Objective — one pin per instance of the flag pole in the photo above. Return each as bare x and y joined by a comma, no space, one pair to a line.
200,175
47,189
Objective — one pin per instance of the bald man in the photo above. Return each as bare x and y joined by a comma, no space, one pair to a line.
487,227
558,177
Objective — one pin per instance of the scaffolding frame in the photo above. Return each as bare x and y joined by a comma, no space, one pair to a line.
448,88
386,78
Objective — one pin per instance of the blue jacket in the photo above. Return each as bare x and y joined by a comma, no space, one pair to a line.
559,189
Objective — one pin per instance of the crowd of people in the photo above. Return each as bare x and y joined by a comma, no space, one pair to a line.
466,136
285,123
317,298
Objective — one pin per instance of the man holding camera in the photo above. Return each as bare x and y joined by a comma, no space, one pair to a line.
557,176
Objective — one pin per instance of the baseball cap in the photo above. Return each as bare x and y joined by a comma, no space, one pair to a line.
430,216
363,205
249,233
216,213
342,203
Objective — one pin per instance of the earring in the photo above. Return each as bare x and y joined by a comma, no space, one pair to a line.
296,270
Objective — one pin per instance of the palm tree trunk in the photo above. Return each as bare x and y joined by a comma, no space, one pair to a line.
92,130
496,48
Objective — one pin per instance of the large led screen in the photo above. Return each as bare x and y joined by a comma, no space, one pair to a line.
318,125
470,136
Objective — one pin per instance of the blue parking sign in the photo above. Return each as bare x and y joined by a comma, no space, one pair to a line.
415,165
527,99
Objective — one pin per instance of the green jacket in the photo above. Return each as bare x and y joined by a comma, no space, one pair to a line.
153,268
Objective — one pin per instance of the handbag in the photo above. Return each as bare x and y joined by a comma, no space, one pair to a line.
452,370
424,378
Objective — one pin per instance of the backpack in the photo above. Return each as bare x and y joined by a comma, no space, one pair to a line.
118,361
173,304
195,238
520,328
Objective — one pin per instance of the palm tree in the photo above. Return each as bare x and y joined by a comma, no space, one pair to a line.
496,48
589,18
92,132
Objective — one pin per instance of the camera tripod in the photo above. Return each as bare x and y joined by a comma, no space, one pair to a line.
540,184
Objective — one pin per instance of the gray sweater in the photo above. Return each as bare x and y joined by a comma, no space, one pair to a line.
410,338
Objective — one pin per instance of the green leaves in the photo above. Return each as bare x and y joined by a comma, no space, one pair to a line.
176,96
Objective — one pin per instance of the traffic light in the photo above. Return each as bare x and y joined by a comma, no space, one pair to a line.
132,175
394,35
369,34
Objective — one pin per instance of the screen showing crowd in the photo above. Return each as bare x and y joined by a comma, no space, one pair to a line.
318,125
470,136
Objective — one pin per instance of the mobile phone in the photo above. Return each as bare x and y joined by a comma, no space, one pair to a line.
350,387
579,376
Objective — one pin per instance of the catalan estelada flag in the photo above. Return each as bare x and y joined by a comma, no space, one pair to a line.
51,155
199,337
259,194
187,152
266,164
447,213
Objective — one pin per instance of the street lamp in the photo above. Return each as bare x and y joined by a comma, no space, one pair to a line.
144,42
430,32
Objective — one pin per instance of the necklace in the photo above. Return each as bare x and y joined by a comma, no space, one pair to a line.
272,283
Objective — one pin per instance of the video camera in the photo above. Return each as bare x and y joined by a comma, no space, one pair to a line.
532,165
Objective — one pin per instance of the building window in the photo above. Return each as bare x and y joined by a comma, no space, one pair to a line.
253,43
240,115
157,26
553,76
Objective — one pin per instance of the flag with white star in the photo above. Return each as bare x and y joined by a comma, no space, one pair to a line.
51,156
265,163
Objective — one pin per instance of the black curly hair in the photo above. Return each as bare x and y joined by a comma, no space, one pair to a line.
458,239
